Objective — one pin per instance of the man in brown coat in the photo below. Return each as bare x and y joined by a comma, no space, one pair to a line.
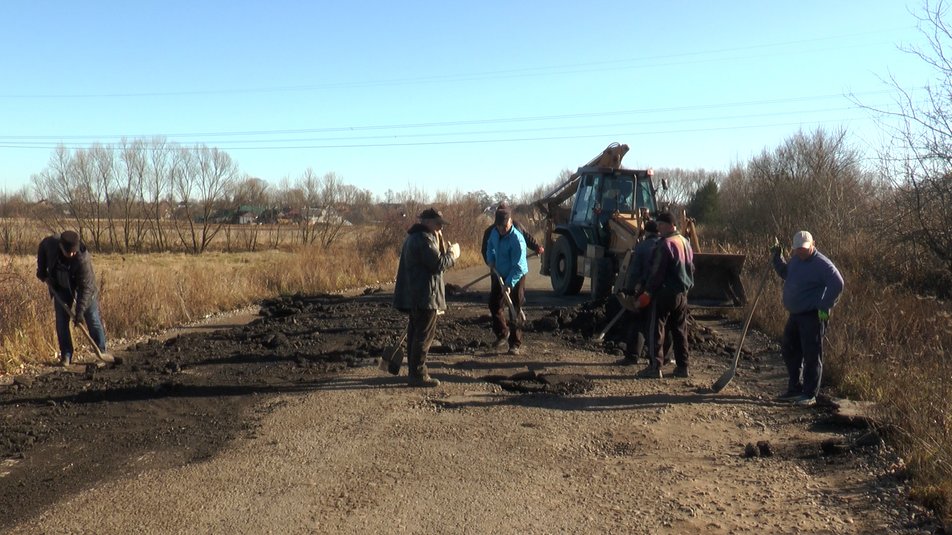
419,289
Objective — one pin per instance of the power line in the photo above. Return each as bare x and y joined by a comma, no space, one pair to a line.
475,122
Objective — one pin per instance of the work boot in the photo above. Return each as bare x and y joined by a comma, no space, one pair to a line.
66,360
513,350
805,400
501,343
628,360
789,396
107,357
424,381
650,372
680,371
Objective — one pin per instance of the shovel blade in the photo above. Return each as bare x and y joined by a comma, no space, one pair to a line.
724,380
392,359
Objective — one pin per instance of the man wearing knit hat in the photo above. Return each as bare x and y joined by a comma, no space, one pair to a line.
505,253
63,262
506,337
666,290
811,286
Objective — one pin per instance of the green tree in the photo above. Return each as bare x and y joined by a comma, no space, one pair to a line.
704,205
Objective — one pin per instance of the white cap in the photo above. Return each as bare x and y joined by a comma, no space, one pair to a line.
802,239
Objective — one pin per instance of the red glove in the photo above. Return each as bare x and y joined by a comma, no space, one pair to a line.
541,249
644,300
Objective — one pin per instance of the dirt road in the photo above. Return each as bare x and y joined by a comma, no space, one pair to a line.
286,425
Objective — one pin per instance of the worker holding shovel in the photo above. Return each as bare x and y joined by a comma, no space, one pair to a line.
65,265
506,255
497,306
634,284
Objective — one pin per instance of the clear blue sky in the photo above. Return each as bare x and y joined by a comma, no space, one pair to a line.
444,96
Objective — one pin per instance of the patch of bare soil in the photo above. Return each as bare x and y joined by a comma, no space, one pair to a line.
557,439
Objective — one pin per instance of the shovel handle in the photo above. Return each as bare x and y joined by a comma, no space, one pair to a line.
72,319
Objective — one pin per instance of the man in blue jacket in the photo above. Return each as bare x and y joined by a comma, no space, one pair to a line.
811,286
506,254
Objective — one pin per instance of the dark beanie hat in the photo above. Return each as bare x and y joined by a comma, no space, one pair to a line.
665,217
651,226
503,213
70,241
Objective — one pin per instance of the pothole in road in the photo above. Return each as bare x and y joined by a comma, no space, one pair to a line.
535,382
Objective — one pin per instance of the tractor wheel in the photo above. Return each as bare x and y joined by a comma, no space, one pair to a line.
563,268
603,277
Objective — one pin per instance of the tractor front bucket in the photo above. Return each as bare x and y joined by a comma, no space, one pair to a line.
717,281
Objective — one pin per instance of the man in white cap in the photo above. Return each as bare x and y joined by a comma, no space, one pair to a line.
811,286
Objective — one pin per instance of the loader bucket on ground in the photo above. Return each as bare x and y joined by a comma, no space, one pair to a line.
717,280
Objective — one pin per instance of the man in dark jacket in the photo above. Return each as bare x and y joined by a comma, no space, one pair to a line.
666,290
420,291
811,286
66,266
503,222
634,284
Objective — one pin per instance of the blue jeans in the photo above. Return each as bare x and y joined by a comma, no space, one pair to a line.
802,351
93,323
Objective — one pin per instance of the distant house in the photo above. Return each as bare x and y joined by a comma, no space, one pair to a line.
248,214
327,216
246,218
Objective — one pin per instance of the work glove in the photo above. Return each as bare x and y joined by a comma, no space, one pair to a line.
644,300
454,250
541,250
775,248
78,320
824,315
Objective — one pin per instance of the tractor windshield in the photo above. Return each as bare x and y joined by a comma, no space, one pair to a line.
645,195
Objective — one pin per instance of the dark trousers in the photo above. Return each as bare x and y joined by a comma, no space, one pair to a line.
499,310
637,336
420,332
802,352
671,320
90,317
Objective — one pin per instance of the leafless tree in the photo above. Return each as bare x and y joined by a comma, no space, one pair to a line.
919,160
200,179
811,181
157,189
128,198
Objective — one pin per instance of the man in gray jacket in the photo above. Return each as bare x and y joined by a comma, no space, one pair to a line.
419,289
66,266
811,286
